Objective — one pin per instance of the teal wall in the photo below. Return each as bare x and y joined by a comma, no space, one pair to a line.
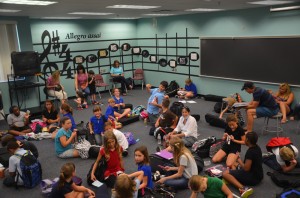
247,23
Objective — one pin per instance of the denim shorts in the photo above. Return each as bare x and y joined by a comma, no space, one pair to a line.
67,154
266,112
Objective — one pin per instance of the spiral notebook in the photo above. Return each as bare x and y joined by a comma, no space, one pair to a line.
165,154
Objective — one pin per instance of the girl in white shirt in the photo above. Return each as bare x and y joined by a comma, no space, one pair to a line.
186,128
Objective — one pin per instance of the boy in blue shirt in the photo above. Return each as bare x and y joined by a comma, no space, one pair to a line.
189,91
96,124
155,100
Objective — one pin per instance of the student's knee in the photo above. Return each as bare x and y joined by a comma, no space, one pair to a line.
215,159
75,153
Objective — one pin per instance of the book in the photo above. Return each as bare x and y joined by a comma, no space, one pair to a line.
165,154
97,183
240,104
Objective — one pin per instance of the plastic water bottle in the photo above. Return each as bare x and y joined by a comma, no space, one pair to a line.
159,139
145,121
228,140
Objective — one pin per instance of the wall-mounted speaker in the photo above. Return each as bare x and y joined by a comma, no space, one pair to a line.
25,63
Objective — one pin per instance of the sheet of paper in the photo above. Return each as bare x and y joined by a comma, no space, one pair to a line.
191,101
97,183
182,101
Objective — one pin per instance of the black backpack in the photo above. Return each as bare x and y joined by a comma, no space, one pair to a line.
286,180
176,108
99,172
172,89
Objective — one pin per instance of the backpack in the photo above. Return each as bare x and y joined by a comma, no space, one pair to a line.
285,180
214,120
278,142
289,193
172,89
99,172
215,147
138,109
202,147
199,161
31,170
130,138
176,108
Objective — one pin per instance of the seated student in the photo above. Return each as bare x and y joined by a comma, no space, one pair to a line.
50,115
235,137
286,157
186,128
18,122
189,91
284,98
64,139
251,172
119,104
210,187
126,187
65,187
96,124
26,145
14,164
178,177
112,152
262,105
166,121
122,140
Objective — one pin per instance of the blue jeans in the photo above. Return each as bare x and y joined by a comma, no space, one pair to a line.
86,91
99,138
178,183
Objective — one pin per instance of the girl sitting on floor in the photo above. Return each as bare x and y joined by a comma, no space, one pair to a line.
235,137
125,187
64,140
50,115
178,177
251,172
112,152
65,187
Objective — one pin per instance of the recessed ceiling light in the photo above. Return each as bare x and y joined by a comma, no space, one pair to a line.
159,14
285,8
133,6
6,10
28,2
61,17
128,18
204,10
270,2
91,13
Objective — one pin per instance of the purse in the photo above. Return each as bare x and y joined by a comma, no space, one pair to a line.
83,146
58,87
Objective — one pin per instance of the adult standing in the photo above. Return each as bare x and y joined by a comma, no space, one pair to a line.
117,75
263,104
81,81
54,88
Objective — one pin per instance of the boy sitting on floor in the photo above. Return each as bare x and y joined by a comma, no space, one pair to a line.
18,122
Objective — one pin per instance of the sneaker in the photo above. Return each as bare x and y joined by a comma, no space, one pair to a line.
246,192
158,149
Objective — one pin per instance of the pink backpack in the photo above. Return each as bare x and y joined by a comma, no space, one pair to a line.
144,115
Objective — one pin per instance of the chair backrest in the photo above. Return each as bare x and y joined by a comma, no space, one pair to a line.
98,79
139,73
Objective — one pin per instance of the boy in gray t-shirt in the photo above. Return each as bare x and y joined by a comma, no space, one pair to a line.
18,122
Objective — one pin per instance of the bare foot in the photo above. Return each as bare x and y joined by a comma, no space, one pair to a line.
283,121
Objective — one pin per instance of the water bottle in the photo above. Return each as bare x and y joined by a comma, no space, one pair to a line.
145,121
228,139
159,139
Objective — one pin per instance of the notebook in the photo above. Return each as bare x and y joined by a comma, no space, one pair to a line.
165,154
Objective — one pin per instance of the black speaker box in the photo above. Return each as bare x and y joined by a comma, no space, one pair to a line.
25,63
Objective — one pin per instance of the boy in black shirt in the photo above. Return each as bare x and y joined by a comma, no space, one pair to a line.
251,172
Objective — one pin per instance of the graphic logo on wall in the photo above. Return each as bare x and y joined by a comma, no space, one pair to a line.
53,47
